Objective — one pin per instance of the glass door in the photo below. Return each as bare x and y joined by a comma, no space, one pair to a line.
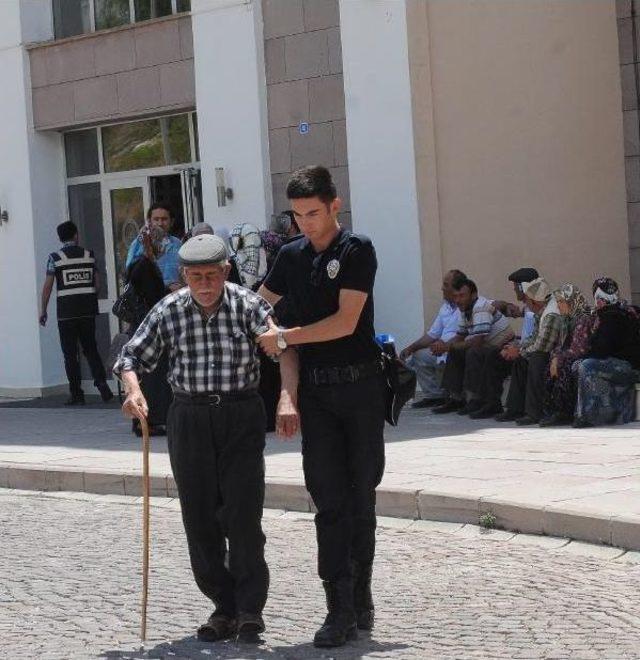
125,203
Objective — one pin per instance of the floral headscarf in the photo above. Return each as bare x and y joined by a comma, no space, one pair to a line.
572,295
606,290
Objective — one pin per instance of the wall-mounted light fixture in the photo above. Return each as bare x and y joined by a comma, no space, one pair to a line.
224,193
4,216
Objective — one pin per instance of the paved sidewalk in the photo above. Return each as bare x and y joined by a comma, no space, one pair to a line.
442,591
583,484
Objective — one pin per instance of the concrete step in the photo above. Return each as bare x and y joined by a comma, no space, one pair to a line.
621,531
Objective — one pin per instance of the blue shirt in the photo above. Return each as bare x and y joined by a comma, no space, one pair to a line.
528,325
445,325
168,261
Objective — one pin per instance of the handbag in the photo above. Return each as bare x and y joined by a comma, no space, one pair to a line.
401,386
129,306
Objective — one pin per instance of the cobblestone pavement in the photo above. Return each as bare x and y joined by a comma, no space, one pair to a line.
70,585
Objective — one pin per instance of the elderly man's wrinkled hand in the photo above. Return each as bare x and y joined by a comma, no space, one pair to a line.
287,417
135,405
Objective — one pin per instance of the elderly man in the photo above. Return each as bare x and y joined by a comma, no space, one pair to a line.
427,356
216,428
519,278
530,359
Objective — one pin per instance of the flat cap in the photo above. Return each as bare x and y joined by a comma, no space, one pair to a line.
538,290
524,275
203,249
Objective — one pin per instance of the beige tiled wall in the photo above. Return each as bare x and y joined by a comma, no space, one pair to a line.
128,72
629,48
303,61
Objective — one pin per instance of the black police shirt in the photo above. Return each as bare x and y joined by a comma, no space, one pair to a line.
312,281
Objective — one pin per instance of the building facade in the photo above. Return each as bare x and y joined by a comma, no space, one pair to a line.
483,136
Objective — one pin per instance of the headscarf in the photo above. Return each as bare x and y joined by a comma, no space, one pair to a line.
574,298
606,290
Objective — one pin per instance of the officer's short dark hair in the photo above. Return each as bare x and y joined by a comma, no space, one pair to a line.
460,283
160,205
312,181
67,231
456,274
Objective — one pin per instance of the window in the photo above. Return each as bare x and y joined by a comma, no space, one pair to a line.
81,152
148,143
148,9
111,13
71,17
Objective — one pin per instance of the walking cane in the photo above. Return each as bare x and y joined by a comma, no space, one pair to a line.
145,525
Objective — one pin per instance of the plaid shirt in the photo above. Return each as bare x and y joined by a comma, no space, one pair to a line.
547,333
217,355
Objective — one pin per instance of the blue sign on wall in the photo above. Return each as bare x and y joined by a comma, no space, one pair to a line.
303,128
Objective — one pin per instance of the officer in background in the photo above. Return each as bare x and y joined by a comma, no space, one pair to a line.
73,269
327,276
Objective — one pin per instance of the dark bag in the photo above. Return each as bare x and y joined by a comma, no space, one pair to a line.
401,386
129,307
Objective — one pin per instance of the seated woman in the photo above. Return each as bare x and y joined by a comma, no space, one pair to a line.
560,396
146,279
605,379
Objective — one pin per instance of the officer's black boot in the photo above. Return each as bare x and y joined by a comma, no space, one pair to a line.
362,597
340,624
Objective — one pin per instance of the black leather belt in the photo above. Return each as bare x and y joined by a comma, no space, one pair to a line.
214,398
350,373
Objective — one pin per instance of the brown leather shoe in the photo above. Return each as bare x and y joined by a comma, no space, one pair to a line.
217,627
249,627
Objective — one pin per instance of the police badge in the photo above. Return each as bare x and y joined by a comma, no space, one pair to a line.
333,268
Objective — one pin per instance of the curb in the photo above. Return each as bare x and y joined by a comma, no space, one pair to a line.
621,531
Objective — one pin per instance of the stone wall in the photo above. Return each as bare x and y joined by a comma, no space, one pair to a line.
303,62
113,75
629,43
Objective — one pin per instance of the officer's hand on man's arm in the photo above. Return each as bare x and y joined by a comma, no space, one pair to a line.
135,405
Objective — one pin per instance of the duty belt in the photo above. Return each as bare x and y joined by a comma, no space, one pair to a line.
214,398
350,373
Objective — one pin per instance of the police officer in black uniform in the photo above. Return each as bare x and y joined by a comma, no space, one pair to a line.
327,276
73,270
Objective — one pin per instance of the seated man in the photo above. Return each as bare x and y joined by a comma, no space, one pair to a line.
531,359
428,355
519,278
483,331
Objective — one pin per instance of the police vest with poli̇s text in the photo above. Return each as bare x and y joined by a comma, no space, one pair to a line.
75,270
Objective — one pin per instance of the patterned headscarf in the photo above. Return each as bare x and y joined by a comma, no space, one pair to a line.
572,295
606,290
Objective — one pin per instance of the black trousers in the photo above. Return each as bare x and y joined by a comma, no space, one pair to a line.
453,376
217,461
343,462
527,389
80,331
485,373
479,370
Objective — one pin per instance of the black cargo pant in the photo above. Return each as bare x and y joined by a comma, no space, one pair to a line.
527,388
82,332
343,461
216,454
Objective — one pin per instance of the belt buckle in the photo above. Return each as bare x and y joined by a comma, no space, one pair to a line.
215,399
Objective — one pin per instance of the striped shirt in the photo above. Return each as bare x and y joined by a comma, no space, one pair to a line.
484,320
215,355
